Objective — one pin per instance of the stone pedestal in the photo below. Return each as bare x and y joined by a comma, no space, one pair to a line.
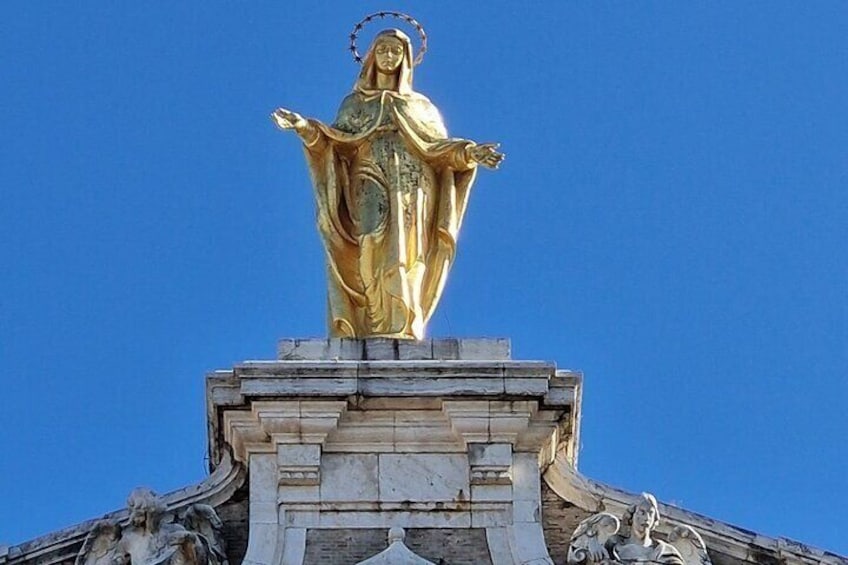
344,439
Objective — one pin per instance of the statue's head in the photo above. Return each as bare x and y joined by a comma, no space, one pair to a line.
390,53
643,516
146,508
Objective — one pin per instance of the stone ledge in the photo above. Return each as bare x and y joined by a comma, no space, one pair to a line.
391,378
391,349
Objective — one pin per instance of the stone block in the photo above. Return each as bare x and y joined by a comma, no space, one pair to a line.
528,543
497,541
490,454
409,350
296,349
424,431
446,349
410,383
526,386
341,384
525,477
263,477
483,349
423,477
489,518
349,477
294,546
526,511
380,349
345,349
491,493
263,540
302,518
299,455
263,512
299,494
435,519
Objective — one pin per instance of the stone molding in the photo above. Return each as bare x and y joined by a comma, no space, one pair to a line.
248,383
386,349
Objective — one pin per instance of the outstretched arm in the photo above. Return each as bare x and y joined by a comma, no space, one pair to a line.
288,120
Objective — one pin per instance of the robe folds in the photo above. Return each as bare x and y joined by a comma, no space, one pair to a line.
391,189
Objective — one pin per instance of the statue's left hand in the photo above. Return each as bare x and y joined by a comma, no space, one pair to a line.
486,154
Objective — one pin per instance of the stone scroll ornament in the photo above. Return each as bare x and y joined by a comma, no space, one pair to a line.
604,539
391,188
155,536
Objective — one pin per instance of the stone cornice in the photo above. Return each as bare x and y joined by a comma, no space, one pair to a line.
232,394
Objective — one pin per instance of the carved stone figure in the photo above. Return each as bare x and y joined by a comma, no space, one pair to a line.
154,536
391,189
603,539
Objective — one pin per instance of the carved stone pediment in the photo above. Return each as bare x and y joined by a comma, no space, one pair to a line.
397,552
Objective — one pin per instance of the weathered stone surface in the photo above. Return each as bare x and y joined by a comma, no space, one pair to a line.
415,350
480,349
423,477
490,454
389,349
349,477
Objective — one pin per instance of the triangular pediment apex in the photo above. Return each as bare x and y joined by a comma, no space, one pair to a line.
397,553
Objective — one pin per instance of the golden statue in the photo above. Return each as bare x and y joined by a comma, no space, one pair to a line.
391,189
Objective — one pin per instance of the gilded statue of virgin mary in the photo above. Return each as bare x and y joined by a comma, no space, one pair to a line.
391,189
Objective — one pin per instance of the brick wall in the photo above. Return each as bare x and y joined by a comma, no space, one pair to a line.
441,546
559,519
234,515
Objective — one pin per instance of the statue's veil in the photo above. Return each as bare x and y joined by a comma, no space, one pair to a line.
366,83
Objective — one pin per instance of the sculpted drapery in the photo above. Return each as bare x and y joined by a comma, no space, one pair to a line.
391,190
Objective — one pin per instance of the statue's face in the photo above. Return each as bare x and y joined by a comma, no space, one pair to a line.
138,517
388,54
644,519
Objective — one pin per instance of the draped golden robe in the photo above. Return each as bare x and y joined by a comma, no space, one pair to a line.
391,190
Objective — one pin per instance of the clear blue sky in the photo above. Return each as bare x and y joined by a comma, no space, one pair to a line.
671,219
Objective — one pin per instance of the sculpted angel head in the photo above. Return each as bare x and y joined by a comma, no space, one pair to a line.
642,517
146,508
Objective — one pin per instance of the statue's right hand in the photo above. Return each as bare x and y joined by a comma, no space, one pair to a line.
286,119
